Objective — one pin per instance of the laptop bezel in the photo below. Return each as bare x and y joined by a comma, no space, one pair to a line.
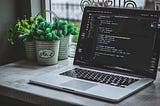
156,51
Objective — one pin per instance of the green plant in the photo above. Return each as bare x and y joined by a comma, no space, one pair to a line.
45,30
67,28
23,30
55,30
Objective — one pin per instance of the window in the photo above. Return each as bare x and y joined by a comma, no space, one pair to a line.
72,9
67,9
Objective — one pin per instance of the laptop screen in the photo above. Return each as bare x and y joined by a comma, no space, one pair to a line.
124,40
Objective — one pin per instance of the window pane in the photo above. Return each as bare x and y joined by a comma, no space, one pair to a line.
71,9
67,9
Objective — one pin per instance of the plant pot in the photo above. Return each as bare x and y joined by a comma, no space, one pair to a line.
30,50
47,52
64,48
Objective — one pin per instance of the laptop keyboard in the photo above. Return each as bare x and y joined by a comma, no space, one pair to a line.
104,78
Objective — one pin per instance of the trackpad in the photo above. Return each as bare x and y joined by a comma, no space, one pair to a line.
81,85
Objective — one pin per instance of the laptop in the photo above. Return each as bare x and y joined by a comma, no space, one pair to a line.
117,54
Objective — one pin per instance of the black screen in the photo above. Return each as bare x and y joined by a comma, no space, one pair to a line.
121,39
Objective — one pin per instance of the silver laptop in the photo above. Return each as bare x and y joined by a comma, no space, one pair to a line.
117,54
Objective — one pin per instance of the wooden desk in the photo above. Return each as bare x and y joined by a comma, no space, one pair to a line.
14,80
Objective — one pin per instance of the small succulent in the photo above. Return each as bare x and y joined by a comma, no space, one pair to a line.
67,28
55,30
44,30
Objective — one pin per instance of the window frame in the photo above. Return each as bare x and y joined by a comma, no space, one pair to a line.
40,6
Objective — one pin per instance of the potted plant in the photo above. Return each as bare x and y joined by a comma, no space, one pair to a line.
65,29
23,31
47,41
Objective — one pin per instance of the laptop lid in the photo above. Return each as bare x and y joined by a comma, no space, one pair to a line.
124,40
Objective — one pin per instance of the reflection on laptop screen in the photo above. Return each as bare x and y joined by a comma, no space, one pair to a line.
122,40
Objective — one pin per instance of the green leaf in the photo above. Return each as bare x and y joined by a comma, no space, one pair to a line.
60,23
31,19
51,26
54,36
56,31
64,23
42,24
70,25
70,30
60,32
47,24
40,32
53,32
48,30
49,36
22,36
75,32
40,19
64,27
65,32
76,29
18,23
61,36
